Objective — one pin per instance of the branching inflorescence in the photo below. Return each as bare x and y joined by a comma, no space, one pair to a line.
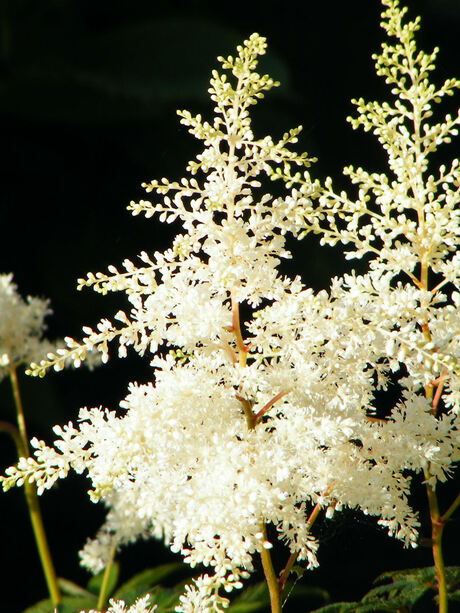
246,425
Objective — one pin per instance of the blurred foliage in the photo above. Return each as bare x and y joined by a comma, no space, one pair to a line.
75,598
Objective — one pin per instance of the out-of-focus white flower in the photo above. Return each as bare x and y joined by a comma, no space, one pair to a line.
22,324
119,606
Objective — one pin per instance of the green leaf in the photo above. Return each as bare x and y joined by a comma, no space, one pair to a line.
403,589
453,574
248,607
454,595
338,607
393,589
253,598
412,574
43,606
69,588
146,580
359,607
95,583
165,598
69,604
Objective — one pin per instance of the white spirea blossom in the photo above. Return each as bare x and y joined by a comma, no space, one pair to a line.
251,424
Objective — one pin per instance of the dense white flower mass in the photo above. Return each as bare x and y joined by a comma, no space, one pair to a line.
252,423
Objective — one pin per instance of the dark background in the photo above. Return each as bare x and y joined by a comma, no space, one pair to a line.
88,93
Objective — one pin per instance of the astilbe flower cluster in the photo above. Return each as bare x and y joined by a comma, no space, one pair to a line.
251,423
21,326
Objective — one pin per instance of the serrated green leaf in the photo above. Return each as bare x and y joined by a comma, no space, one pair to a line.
405,588
392,606
338,607
453,574
454,595
390,589
360,607
410,595
94,584
413,574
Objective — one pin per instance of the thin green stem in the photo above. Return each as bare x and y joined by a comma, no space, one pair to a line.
103,593
19,409
32,498
437,522
14,433
293,557
446,516
270,576
287,571
437,527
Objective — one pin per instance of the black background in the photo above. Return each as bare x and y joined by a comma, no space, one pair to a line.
88,93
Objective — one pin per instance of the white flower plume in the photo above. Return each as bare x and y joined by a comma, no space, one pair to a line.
248,424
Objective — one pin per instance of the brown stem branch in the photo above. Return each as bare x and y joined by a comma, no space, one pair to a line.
258,416
446,516
283,577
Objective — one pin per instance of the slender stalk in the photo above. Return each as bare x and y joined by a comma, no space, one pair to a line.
437,527
14,433
236,328
32,498
270,576
18,404
437,521
103,594
293,557
267,564
269,404
446,516
287,571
